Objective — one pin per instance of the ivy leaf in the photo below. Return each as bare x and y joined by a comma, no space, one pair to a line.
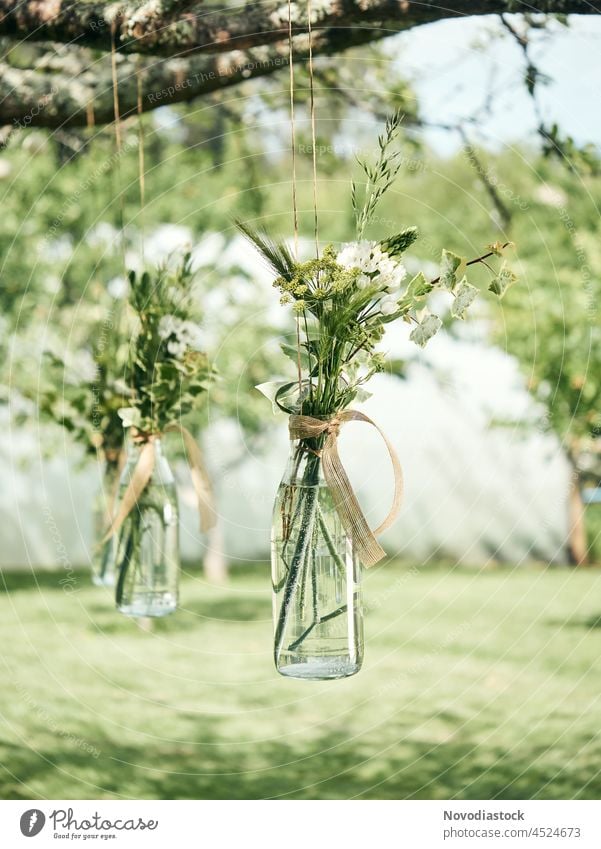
362,395
504,279
291,351
283,394
415,292
418,287
425,330
465,293
130,416
449,264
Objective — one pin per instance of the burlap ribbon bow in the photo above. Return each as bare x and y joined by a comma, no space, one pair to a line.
143,472
345,501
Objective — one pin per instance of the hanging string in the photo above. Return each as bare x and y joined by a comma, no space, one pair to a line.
118,146
90,116
313,134
116,111
292,128
141,164
294,195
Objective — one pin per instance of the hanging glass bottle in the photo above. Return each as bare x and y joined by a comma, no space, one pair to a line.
103,551
147,545
316,576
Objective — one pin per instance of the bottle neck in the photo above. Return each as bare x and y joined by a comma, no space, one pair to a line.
162,470
304,464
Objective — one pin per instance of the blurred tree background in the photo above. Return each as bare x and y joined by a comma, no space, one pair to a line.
479,683
73,222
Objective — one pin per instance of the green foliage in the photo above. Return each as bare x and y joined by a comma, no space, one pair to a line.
168,373
379,177
82,390
397,245
343,300
502,281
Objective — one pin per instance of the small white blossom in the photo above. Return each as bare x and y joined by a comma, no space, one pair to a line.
393,277
118,287
375,265
180,334
167,326
176,348
362,255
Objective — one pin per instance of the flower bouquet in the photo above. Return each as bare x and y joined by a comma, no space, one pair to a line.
343,301
168,375
82,391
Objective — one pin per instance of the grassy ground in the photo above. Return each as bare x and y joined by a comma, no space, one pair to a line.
475,686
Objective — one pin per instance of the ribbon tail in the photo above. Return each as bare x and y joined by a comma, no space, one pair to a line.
136,486
200,478
348,508
114,489
354,415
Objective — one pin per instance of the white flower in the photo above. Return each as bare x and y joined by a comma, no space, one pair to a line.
388,306
118,287
176,348
363,281
168,326
180,334
393,277
190,333
362,255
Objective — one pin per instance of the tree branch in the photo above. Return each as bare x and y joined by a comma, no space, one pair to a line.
181,27
210,48
72,89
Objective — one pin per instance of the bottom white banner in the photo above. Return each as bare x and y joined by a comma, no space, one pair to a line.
296,824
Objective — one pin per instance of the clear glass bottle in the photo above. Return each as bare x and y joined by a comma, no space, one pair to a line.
103,553
147,560
317,608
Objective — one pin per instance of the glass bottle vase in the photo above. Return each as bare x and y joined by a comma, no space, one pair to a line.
103,553
148,560
318,618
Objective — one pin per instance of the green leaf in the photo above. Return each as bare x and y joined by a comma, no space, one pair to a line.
362,395
415,293
291,351
418,287
425,330
274,391
504,279
465,293
449,264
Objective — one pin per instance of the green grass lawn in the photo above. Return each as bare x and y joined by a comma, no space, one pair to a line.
475,685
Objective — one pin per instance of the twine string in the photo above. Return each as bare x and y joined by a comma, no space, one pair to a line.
345,501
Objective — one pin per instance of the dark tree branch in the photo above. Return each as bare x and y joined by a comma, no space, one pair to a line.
209,48
73,90
176,27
